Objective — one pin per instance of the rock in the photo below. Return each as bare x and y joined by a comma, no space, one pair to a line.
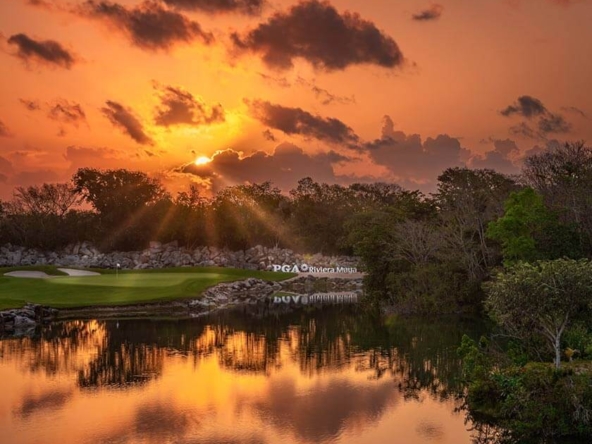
23,322
159,256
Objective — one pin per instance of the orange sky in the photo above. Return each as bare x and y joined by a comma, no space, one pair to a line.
82,87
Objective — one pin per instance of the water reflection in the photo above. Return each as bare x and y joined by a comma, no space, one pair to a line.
304,376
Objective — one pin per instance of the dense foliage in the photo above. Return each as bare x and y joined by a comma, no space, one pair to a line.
532,402
422,253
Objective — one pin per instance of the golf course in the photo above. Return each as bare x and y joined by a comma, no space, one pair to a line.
54,287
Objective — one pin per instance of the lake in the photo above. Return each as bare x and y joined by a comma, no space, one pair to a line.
305,375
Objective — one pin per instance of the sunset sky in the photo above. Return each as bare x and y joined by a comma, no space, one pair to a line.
342,91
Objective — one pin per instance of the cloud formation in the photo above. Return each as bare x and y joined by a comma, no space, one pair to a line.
60,110
525,106
434,12
148,25
529,108
316,32
411,160
574,110
4,131
5,166
553,123
502,158
298,121
324,96
45,52
46,4
284,167
124,119
249,7
180,107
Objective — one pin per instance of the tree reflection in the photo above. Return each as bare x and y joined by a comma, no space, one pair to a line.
419,355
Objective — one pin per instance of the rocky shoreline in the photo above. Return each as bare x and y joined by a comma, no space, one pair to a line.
25,318
159,255
221,296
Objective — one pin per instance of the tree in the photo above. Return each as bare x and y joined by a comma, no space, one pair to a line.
249,215
563,176
468,200
117,192
319,214
55,199
529,231
125,201
541,299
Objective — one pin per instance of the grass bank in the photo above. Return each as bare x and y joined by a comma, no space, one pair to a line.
128,287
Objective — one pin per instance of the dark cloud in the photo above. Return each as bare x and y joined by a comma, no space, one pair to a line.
547,123
5,165
66,112
3,178
45,4
124,119
411,160
250,7
47,52
502,158
316,32
4,131
279,81
284,167
269,136
327,98
298,121
148,25
553,123
180,107
323,95
574,110
60,110
525,130
525,106
432,13
31,105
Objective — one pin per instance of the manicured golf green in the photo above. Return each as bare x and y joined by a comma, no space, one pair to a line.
125,288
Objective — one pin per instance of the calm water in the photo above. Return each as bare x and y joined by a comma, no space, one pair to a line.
310,376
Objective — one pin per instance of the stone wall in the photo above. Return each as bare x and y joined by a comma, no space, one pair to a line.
168,255
26,318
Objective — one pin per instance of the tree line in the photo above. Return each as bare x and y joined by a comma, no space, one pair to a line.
422,252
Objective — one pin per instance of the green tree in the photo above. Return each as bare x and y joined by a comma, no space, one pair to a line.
541,299
529,231
563,175
124,201
467,201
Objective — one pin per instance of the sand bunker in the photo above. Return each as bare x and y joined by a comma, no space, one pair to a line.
27,274
43,275
73,272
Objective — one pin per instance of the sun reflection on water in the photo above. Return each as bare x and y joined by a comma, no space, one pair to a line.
307,378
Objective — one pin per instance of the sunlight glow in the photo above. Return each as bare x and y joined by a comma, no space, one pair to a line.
202,160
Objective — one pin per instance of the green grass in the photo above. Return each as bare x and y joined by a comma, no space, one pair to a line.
126,288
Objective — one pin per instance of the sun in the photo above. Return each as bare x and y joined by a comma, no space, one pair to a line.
202,160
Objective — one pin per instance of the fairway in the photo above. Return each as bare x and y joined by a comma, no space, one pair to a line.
130,280
125,288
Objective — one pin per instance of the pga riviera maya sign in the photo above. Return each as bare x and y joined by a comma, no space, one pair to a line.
304,268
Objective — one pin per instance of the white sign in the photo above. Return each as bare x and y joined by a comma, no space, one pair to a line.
303,268
327,298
